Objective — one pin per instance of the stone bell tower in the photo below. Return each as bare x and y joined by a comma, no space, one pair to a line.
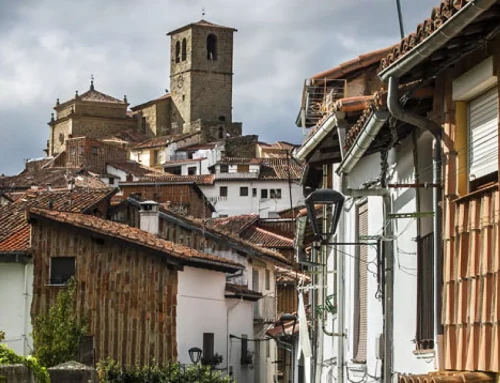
201,79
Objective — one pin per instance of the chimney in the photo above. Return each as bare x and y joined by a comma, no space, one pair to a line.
149,217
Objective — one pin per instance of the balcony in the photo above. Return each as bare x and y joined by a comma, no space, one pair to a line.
471,307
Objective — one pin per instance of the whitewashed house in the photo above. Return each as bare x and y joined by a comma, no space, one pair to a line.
261,186
377,284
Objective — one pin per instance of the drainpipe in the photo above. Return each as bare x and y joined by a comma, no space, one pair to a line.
26,310
399,113
388,256
228,311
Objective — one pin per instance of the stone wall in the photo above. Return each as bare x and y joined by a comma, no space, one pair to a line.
16,373
101,109
155,118
96,127
72,372
216,132
241,147
59,133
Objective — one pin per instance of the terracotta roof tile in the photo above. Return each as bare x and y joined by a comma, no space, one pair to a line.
134,168
230,235
129,135
12,221
166,96
242,291
78,201
126,233
266,238
439,16
285,275
18,241
270,168
236,223
200,179
96,96
161,141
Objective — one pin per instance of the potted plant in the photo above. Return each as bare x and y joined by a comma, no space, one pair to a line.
247,360
213,360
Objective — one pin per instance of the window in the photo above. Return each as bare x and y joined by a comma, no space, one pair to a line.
483,137
244,348
61,270
276,193
361,288
224,168
192,170
243,191
144,124
139,155
222,118
178,52
263,193
425,293
80,149
268,280
184,49
254,192
223,191
208,345
255,280
111,180
212,47
243,168
73,150
158,156
221,132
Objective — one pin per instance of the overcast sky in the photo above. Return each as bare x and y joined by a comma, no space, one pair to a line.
49,49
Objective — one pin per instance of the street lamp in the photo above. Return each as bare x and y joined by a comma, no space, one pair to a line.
287,318
195,354
326,197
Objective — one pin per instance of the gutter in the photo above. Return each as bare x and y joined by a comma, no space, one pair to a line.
220,266
452,27
307,148
423,123
363,141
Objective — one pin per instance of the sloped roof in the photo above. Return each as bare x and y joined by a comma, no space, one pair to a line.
270,168
161,141
243,292
14,229
134,168
224,233
78,201
236,223
129,135
266,238
200,179
184,254
96,96
201,23
289,276
55,177
166,96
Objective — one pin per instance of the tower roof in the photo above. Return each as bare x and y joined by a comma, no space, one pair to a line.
92,95
201,23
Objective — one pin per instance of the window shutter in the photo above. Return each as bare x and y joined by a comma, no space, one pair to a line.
361,314
425,293
483,134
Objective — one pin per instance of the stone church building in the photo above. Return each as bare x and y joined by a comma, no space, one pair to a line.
200,99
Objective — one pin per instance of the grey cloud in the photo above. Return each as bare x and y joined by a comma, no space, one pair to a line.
49,48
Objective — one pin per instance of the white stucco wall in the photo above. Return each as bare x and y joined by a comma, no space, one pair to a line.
405,264
16,291
234,204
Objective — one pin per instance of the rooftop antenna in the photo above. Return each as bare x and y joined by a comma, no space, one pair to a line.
400,17
91,82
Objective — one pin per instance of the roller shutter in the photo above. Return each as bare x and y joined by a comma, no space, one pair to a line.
483,134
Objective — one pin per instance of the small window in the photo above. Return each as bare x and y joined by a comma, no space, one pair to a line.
208,345
222,118
243,168
224,168
254,192
263,193
144,124
158,157
184,49
268,280
192,170
94,150
221,132
223,191
212,47
61,270
276,193
139,155
73,150
243,191
178,52
111,180
80,149
244,349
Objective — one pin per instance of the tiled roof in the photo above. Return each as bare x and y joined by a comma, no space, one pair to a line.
195,147
236,223
134,168
270,168
96,96
345,69
126,233
78,201
285,275
266,238
184,161
161,141
439,16
224,233
151,102
129,135
201,179
13,226
55,177
201,23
